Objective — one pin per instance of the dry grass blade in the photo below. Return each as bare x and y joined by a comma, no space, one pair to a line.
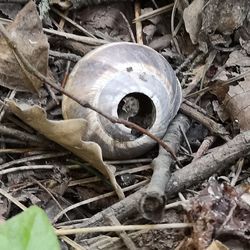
57,217
122,228
138,24
72,243
26,168
12,199
81,39
223,83
79,27
31,158
154,13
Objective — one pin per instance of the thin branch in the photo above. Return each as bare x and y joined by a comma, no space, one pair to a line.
223,83
72,243
138,24
154,13
123,235
96,198
79,27
50,82
49,193
129,27
26,168
122,228
13,199
81,39
32,158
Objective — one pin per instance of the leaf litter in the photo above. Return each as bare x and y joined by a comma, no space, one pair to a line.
219,212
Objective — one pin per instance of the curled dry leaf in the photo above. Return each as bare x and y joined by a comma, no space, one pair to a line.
68,133
219,212
26,31
204,18
237,100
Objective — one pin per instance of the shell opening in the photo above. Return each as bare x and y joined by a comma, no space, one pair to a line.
139,109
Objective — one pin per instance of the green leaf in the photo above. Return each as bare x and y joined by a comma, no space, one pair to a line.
29,230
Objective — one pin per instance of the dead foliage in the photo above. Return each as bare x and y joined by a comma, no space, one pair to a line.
195,185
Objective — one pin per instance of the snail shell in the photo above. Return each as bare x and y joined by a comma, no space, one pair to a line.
129,81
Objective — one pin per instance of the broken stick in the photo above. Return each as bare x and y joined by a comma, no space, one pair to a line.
153,200
216,161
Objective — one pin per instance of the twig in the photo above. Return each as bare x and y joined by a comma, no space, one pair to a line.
72,243
76,205
214,127
223,83
240,164
62,21
175,204
207,65
12,141
66,56
96,178
205,145
176,2
31,158
10,96
186,140
19,123
122,228
125,162
173,16
123,235
12,199
212,163
153,200
81,39
23,136
20,150
198,108
129,27
154,13
50,194
192,174
52,94
134,170
138,24
47,80
79,27
26,168
187,60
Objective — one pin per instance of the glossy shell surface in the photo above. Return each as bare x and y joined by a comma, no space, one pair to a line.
104,77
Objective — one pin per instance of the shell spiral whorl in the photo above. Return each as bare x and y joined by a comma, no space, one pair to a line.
129,81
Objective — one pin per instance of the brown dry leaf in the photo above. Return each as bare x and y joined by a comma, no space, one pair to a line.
26,31
237,103
217,245
192,19
106,21
67,133
219,212
236,99
223,17
219,90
